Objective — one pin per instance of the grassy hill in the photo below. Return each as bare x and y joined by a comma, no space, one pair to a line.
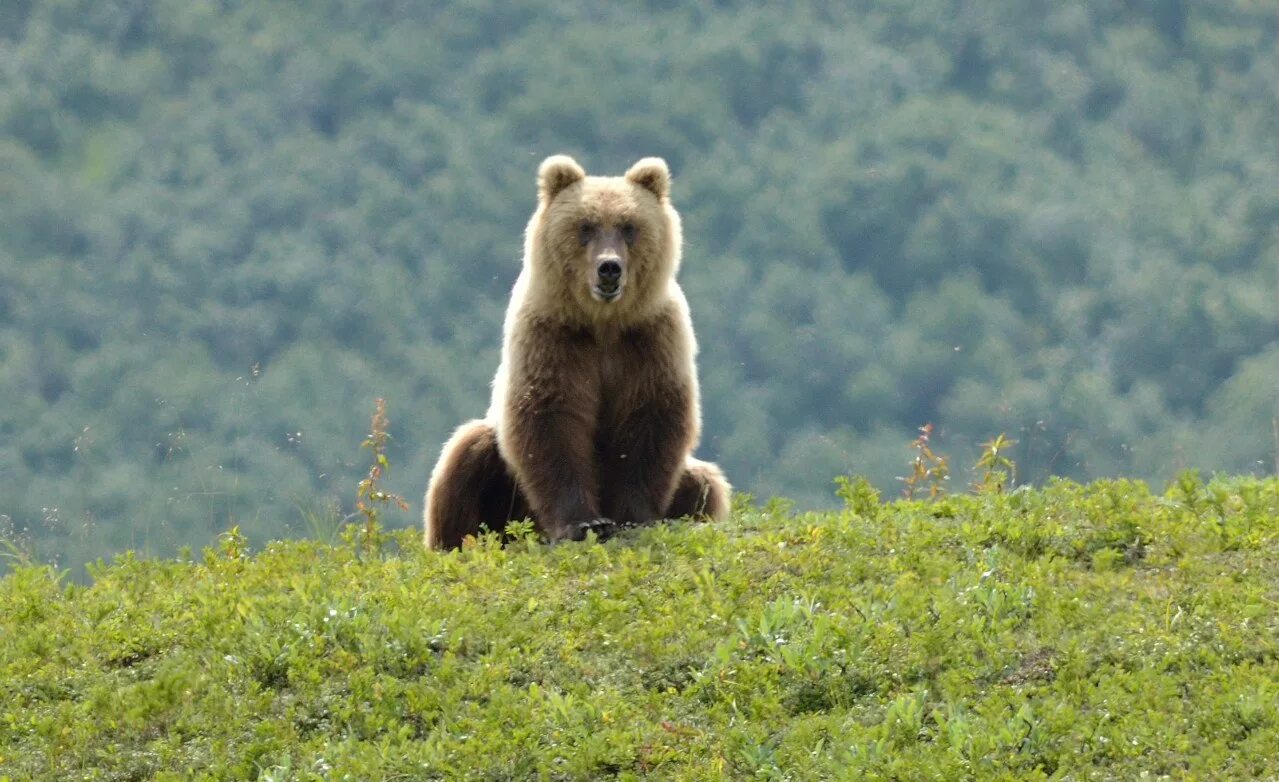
1074,632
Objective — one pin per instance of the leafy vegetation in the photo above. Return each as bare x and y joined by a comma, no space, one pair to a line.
226,227
1073,632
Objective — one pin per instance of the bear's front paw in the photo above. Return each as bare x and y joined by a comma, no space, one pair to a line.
635,511
576,530
603,529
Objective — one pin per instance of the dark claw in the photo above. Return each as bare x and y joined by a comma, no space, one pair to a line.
603,529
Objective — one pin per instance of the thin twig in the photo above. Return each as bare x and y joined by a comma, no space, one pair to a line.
1274,428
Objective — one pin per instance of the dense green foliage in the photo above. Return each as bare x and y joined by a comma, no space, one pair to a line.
1074,632
225,227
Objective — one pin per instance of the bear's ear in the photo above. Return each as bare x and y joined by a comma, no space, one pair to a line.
556,173
652,174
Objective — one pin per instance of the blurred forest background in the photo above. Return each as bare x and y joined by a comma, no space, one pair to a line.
225,228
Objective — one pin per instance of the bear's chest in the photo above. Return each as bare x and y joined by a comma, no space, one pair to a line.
624,362
625,387
612,373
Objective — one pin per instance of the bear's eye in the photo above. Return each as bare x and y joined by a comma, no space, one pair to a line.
628,233
585,233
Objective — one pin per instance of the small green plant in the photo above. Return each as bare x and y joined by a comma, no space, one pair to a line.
859,495
322,521
998,471
16,548
928,469
232,544
371,498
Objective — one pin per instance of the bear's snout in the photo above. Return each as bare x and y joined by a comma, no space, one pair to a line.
608,278
610,272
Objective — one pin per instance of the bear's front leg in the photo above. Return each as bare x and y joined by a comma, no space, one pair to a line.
548,432
645,471
556,470
645,457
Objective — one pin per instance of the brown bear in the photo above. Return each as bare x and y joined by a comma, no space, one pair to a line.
595,409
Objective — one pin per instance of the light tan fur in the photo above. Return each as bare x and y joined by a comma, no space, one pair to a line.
595,409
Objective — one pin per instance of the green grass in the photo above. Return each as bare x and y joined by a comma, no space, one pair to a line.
1073,632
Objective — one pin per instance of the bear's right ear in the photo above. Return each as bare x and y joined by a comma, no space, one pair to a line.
556,173
652,174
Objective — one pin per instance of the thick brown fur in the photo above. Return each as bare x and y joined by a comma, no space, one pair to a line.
595,410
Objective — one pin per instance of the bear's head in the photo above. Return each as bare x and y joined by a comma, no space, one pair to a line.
607,248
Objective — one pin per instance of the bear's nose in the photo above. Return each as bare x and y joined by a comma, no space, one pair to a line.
610,271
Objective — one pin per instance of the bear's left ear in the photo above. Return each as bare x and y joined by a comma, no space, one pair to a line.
652,174
556,173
